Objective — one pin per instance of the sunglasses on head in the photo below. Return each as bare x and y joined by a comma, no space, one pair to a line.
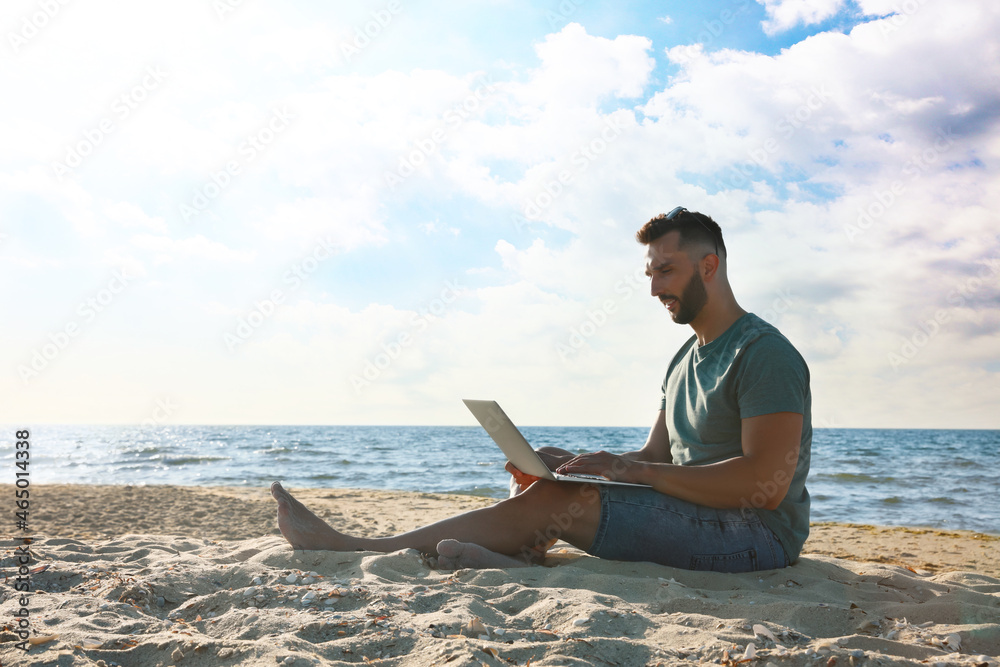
680,209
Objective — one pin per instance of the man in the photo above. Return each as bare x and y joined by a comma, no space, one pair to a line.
726,459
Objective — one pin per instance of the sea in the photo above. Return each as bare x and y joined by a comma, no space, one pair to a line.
942,479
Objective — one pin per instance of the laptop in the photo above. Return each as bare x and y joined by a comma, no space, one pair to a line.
518,451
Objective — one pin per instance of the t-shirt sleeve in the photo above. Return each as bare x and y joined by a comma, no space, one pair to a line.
773,377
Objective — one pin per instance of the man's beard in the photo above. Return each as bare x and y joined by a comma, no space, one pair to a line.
691,301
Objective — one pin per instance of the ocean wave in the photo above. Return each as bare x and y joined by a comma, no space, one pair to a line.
194,460
276,450
883,476
324,477
854,477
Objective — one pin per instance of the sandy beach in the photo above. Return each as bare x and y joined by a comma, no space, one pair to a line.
165,575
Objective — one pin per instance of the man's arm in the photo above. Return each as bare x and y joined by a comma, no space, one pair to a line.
758,478
657,447
656,450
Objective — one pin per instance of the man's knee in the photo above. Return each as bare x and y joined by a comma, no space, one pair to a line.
545,491
562,503
561,511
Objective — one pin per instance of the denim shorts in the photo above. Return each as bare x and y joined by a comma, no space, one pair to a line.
645,525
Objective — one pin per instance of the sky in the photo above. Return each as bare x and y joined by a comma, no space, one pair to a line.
253,212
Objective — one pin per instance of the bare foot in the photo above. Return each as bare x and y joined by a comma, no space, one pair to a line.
454,555
305,530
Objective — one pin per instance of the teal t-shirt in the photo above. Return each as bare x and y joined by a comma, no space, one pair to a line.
749,370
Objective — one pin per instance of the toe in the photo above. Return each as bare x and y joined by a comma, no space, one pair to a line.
449,548
445,563
278,492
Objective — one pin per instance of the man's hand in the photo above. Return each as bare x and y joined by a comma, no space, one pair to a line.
523,480
605,464
552,457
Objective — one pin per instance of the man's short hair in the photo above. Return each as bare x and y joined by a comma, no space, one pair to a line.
694,227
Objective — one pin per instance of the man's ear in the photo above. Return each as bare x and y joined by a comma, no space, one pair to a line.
709,266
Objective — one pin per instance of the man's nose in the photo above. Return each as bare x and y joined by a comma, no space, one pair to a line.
654,286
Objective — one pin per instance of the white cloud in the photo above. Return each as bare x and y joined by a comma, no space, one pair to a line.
437,227
168,249
900,155
344,223
878,7
788,151
856,131
578,69
783,15
129,216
